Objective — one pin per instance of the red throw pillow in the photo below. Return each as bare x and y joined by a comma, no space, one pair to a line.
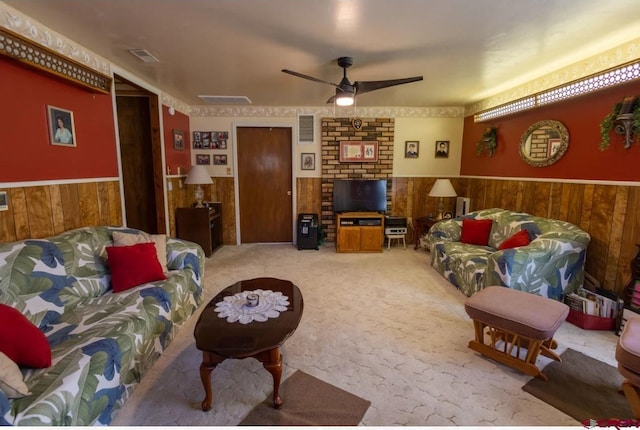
476,231
21,341
521,238
133,265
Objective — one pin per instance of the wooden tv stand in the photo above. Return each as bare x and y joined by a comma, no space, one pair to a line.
359,232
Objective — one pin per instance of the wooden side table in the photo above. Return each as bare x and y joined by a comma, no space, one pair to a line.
201,225
421,226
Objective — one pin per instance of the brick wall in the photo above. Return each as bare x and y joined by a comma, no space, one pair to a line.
335,130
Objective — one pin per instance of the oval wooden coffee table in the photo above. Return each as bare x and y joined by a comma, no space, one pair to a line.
219,339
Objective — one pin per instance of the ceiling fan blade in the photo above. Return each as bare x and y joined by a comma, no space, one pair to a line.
311,78
367,86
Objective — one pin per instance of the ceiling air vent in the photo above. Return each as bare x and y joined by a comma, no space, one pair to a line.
144,55
226,100
305,128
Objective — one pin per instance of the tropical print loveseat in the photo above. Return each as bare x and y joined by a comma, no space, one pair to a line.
102,343
552,264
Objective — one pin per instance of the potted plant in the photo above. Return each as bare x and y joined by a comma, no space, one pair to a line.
613,122
488,141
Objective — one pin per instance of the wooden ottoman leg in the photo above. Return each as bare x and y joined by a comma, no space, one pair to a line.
547,346
631,393
505,355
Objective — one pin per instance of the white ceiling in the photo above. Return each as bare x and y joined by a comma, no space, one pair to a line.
467,50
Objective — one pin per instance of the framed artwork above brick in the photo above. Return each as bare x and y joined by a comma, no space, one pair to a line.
359,151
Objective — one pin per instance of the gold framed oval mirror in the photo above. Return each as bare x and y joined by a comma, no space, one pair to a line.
544,143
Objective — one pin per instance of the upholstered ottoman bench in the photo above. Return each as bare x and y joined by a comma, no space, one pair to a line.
507,322
628,357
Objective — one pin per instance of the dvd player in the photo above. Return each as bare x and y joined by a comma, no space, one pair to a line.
372,221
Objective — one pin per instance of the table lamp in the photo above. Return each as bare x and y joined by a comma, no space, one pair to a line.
198,175
442,188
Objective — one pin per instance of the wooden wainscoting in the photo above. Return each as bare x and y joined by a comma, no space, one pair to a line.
222,190
45,210
609,213
309,198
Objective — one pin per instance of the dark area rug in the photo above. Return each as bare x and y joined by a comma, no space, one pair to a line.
308,401
582,387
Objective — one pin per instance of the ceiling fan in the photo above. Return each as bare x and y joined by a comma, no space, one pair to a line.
346,91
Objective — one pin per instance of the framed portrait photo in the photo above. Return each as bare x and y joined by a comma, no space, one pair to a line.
220,160
442,149
62,130
178,140
308,161
203,159
411,149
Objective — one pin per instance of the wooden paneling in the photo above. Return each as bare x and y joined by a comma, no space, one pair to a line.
222,190
225,193
44,210
309,199
609,213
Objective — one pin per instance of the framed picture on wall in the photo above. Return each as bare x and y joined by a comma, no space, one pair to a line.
359,151
4,204
308,161
411,148
178,140
62,130
203,159
442,149
220,160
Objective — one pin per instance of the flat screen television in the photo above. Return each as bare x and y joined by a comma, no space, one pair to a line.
360,195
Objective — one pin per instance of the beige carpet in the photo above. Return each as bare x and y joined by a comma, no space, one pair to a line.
308,401
385,327
582,387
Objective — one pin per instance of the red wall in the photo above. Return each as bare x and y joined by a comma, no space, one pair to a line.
176,158
26,153
583,160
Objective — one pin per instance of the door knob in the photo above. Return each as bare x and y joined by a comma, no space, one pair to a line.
288,193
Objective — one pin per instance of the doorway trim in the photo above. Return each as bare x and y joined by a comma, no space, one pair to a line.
236,191
115,70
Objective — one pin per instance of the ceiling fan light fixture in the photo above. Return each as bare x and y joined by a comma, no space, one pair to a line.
344,99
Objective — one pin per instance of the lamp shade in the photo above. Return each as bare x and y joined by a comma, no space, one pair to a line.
442,188
198,175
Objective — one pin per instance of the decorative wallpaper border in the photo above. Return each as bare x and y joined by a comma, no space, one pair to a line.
327,111
32,30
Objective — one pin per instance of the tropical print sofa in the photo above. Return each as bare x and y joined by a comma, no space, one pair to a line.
102,343
551,265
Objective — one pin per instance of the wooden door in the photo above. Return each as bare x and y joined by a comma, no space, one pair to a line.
137,162
265,184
